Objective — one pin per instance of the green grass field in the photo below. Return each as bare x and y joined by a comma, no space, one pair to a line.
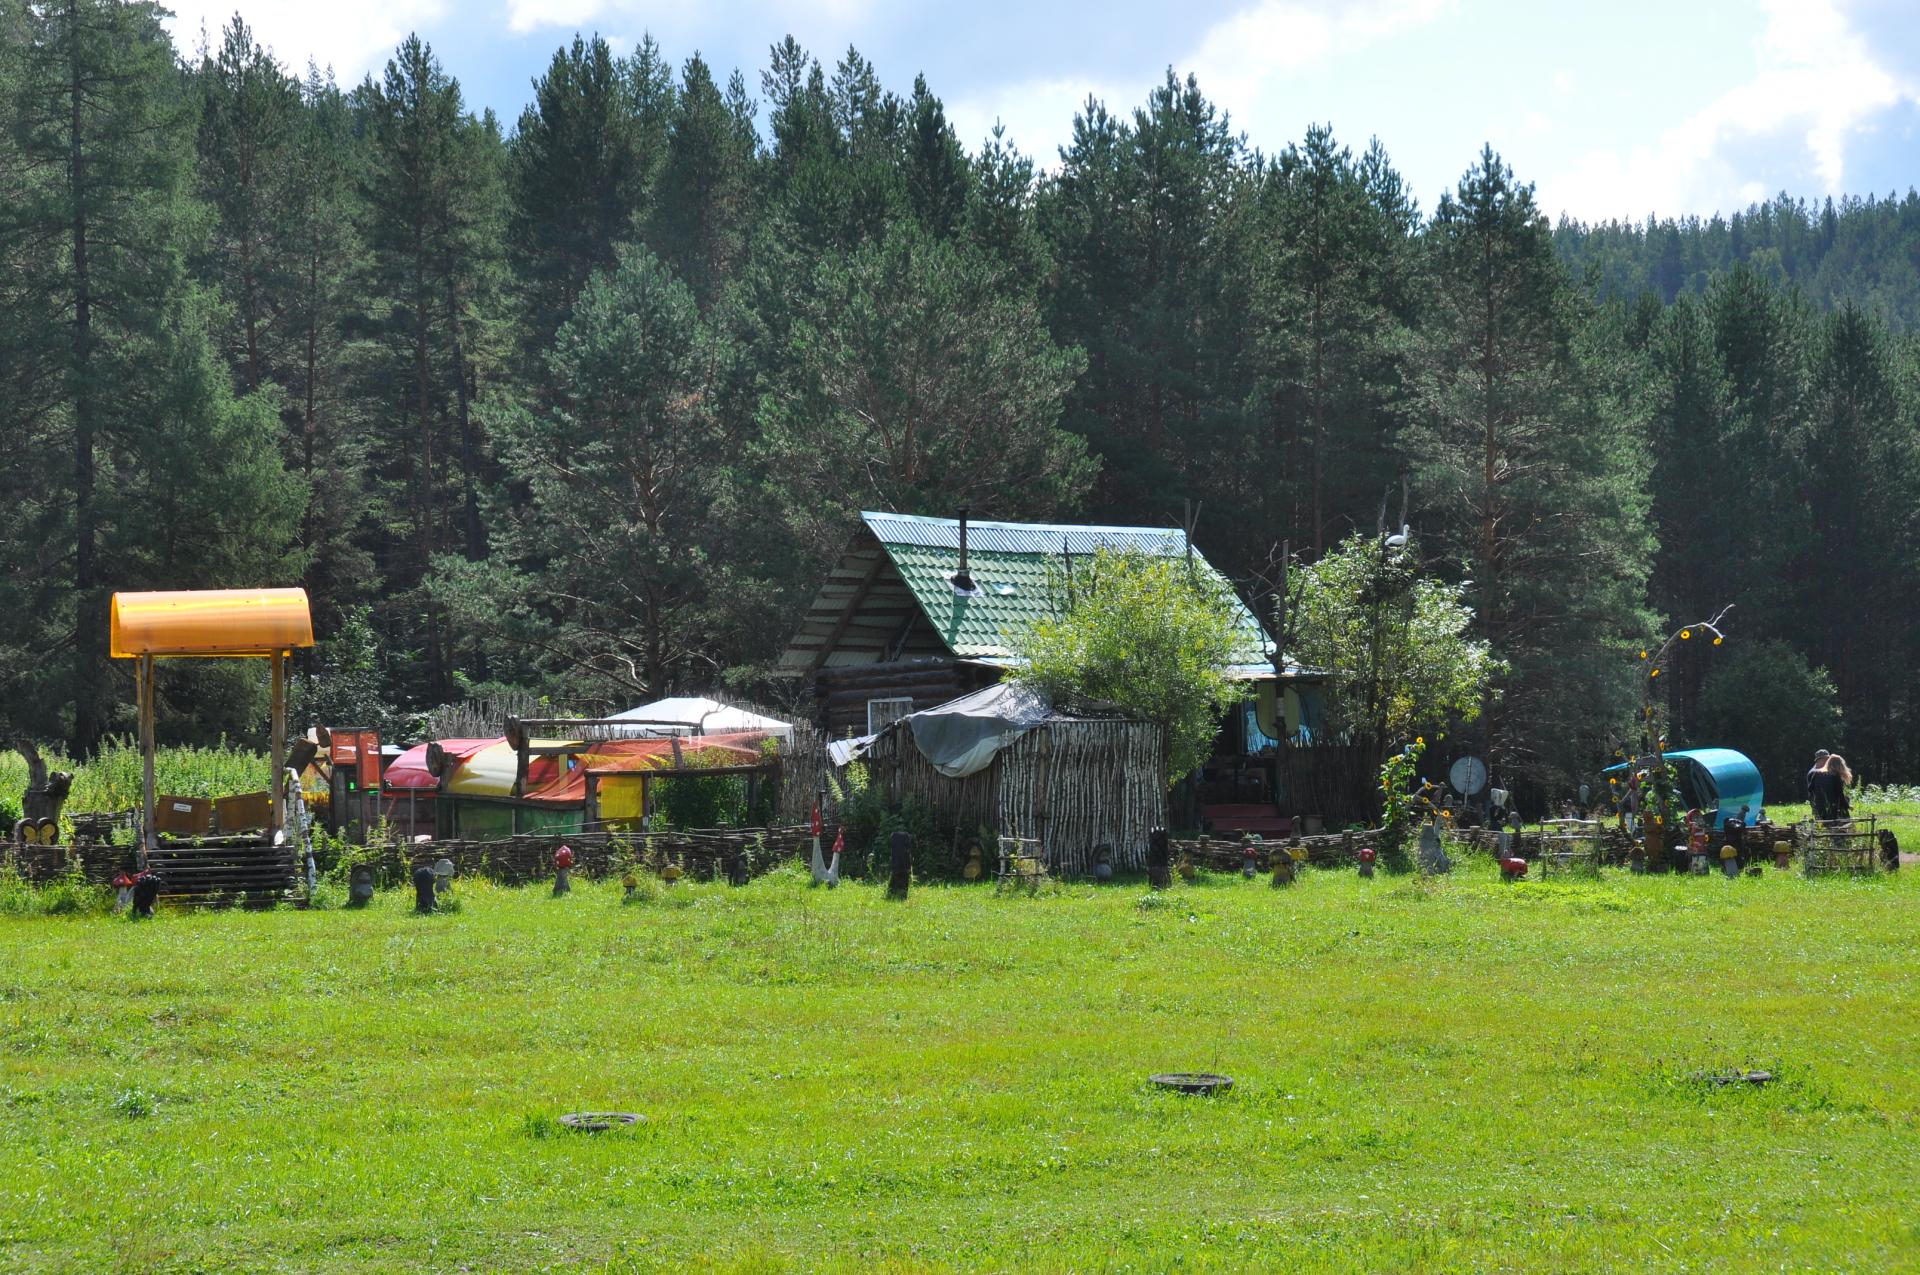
1453,1075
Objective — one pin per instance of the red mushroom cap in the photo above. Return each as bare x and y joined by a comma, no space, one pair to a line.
563,857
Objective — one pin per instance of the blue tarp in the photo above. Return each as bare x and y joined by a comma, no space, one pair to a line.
1716,779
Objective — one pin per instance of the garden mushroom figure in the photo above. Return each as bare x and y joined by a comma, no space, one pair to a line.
563,871
1783,855
1366,861
122,891
1729,861
631,883
442,876
1283,868
1102,862
1249,855
360,885
1512,868
423,889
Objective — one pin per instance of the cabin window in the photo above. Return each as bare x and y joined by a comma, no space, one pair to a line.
882,713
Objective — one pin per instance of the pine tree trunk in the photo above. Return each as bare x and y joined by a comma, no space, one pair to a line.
87,725
469,458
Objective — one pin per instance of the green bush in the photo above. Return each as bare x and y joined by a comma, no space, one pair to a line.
871,820
1763,699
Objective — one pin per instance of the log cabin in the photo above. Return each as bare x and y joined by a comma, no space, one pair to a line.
920,610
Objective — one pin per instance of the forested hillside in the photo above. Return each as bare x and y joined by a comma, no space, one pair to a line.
1864,250
583,402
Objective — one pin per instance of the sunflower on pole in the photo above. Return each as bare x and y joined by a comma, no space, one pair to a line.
1650,771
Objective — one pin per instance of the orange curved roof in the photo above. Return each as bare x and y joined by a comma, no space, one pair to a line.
210,622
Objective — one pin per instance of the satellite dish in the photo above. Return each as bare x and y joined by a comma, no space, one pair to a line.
1468,776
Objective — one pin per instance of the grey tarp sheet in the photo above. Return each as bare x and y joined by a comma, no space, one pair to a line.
962,736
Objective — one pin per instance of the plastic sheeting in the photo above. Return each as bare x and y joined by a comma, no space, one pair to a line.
688,713
409,769
962,736
486,767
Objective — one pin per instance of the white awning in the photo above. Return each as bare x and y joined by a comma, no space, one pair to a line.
687,714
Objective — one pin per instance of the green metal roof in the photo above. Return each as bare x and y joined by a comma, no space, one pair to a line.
1013,586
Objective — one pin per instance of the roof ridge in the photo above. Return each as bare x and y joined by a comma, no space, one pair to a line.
869,516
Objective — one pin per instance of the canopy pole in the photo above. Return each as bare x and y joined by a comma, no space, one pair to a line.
143,685
278,786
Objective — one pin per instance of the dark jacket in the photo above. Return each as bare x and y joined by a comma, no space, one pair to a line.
1824,794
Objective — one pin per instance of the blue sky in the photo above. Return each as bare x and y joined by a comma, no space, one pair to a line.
1613,110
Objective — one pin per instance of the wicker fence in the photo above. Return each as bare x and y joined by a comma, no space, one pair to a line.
529,856
1073,784
708,853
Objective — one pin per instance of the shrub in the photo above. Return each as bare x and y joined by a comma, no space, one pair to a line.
871,820
1764,699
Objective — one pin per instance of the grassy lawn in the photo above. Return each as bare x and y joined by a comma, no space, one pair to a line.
1446,1076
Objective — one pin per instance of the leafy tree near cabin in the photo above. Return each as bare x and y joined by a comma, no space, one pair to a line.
1395,641
1147,633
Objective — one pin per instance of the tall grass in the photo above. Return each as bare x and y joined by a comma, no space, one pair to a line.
111,779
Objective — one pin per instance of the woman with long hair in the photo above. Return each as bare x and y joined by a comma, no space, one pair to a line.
1836,765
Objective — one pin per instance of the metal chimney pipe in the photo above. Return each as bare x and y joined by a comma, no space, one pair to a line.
963,579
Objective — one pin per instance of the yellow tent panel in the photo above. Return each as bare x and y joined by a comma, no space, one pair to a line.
212,622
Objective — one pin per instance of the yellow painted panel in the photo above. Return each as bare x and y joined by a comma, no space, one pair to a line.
210,622
621,796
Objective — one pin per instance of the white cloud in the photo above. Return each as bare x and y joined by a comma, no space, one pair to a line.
1240,58
1038,114
351,36
1237,60
530,15
1816,85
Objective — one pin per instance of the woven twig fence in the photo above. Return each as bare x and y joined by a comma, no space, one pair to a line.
1072,784
529,856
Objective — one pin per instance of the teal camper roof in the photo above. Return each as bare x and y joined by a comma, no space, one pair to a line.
1718,779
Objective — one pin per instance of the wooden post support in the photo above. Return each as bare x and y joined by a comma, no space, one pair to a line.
277,786
143,677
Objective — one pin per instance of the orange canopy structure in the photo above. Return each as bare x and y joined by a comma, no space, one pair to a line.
210,622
